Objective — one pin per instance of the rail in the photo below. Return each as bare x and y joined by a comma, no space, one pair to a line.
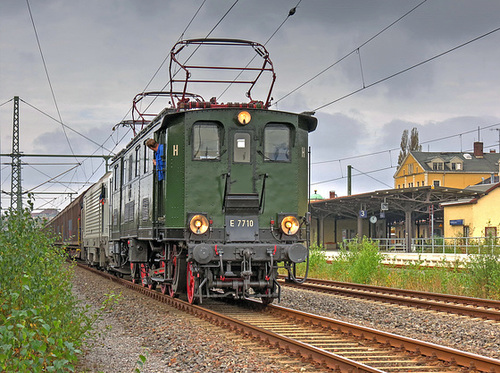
453,304
331,343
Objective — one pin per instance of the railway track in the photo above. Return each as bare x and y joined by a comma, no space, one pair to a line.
466,306
331,344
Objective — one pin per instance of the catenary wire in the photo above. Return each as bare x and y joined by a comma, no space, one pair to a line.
48,78
350,53
407,69
68,127
291,12
395,149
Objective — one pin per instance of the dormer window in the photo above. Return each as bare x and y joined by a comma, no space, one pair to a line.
456,166
437,166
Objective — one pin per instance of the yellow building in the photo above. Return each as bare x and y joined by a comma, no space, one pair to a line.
474,217
451,169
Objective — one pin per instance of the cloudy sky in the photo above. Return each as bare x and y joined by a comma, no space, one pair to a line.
331,57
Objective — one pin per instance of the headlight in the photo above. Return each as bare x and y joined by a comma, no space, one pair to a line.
198,224
289,225
244,118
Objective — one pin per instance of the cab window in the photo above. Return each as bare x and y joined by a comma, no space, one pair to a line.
241,147
277,142
206,141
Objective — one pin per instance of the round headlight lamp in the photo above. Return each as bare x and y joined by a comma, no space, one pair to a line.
244,118
198,224
289,225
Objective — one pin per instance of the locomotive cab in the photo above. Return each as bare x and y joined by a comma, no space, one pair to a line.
237,193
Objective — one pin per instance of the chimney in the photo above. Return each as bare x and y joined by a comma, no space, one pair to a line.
333,194
478,149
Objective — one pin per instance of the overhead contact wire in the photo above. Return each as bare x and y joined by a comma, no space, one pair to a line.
48,78
408,69
352,52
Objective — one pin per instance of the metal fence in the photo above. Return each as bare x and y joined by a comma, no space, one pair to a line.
437,245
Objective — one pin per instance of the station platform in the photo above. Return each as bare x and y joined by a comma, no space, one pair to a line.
425,259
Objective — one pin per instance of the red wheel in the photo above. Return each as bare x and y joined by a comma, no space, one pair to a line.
144,270
133,273
167,289
192,284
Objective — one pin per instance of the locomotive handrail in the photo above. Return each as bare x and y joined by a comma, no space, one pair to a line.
142,114
261,202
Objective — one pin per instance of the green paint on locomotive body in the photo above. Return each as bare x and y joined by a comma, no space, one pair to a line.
197,180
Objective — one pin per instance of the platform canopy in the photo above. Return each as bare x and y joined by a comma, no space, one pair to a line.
403,204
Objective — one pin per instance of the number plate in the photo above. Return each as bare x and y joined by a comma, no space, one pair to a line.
242,228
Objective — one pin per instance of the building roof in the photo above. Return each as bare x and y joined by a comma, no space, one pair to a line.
315,196
416,199
488,163
482,189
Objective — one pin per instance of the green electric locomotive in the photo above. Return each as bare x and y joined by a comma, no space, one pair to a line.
218,201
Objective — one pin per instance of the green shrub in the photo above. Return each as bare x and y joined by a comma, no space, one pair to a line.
483,276
364,259
42,325
317,262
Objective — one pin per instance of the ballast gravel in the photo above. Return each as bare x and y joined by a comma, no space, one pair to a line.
168,339
172,341
460,332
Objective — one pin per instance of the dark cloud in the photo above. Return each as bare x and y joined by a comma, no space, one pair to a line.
100,54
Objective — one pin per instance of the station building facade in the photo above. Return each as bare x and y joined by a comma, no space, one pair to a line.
435,194
448,169
476,216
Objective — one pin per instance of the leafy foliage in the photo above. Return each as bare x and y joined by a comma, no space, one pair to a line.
364,260
42,325
361,262
484,276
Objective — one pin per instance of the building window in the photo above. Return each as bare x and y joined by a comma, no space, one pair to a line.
466,231
490,232
418,183
456,166
436,183
437,166
410,168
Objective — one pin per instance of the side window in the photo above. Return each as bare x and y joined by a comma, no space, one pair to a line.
241,147
206,141
147,159
277,142
130,166
124,171
137,161
116,177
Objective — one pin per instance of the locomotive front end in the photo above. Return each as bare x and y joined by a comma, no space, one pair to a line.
246,199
